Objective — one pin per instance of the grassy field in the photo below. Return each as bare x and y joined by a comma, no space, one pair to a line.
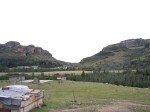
60,95
55,72
62,72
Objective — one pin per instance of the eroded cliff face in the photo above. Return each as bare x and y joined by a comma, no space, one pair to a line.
21,50
24,50
12,44
133,43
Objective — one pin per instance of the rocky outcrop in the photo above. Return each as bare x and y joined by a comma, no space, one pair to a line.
38,50
30,49
133,43
12,44
24,50
21,51
1,46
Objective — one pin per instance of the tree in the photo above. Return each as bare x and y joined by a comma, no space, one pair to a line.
82,74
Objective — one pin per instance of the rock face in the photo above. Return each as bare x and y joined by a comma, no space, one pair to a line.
24,50
133,43
38,50
30,49
1,46
12,44
21,51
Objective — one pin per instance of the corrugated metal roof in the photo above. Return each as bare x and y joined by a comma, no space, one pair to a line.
20,97
14,91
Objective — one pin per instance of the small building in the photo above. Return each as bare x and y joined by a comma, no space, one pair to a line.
16,78
19,98
23,67
35,67
61,78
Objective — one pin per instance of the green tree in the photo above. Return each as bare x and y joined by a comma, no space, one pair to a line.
82,74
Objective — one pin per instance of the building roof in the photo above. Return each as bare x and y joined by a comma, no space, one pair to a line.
14,91
20,97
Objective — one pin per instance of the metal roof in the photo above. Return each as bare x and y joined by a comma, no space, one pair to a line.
14,91
20,98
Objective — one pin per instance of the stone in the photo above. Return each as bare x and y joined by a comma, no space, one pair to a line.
1,46
13,44
16,47
133,43
30,49
38,50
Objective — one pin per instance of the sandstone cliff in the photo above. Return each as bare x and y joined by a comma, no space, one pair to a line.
133,43
24,50
13,54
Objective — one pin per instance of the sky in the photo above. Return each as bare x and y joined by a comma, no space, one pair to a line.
73,29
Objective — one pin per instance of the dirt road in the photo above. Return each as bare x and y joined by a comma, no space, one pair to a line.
113,107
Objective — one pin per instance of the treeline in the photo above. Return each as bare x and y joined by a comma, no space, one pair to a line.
127,78
138,78
31,69
5,64
41,76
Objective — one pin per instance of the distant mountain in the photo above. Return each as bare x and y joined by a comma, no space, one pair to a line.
132,53
14,54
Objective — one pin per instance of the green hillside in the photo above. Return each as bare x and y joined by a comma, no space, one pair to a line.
133,53
13,54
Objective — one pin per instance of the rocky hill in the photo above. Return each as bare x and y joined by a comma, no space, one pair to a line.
14,54
132,53
15,47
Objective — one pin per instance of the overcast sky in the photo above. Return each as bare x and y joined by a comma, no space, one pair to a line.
73,29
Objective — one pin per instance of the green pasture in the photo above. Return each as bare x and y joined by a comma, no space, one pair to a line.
53,72
62,72
60,95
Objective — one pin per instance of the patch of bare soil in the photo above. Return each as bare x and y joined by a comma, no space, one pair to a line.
113,107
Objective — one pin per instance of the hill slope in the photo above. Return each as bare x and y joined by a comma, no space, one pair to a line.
13,54
132,53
